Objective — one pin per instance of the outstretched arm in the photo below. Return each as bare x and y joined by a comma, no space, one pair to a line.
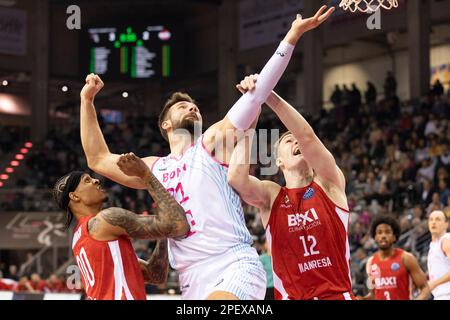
418,276
246,109
309,144
156,269
252,190
98,156
115,222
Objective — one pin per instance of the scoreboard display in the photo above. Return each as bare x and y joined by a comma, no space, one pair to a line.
128,52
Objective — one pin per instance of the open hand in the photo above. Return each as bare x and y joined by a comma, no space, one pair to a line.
300,25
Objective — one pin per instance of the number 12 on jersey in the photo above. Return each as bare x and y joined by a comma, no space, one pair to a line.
312,242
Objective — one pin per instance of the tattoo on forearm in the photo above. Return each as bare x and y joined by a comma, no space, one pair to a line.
170,221
140,227
158,264
168,209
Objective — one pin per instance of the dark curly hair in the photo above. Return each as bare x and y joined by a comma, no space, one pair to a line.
385,219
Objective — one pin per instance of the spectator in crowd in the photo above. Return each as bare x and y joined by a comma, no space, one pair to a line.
438,88
12,273
355,95
435,204
37,283
6,285
24,285
390,86
444,191
371,93
53,285
336,96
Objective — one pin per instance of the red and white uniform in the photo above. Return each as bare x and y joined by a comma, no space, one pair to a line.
390,277
308,236
110,269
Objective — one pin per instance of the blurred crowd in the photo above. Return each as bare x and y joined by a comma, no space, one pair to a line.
395,156
11,281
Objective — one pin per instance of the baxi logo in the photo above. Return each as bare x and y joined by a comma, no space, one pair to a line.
301,219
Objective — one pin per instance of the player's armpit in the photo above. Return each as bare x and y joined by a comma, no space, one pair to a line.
251,189
220,140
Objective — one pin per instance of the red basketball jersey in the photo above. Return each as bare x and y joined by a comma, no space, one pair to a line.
110,269
390,277
308,236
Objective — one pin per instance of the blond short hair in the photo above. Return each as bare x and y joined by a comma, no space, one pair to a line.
277,144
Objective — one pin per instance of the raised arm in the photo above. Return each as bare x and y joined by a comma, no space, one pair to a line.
252,190
156,269
309,144
246,109
98,156
418,276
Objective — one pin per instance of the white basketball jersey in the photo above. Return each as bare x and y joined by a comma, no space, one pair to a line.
214,211
439,265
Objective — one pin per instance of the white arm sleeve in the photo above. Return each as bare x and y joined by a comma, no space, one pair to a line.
246,109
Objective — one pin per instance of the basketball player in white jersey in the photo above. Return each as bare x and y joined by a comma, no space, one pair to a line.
215,260
439,256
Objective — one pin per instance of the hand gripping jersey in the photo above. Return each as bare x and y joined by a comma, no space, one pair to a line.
308,236
439,266
110,269
199,183
390,277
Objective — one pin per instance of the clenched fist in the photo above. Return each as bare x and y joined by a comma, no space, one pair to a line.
133,166
93,85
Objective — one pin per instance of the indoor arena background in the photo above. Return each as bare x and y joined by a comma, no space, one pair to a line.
376,90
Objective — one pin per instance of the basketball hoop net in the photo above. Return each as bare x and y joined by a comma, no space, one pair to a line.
368,6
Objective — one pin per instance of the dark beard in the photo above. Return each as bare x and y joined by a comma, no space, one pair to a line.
188,124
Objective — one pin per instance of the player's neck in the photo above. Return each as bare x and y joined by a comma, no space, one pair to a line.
386,254
437,236
83,210
296,179
179,143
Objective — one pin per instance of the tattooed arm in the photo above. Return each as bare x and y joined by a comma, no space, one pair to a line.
170,222
156,269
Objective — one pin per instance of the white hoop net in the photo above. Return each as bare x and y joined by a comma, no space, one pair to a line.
368,5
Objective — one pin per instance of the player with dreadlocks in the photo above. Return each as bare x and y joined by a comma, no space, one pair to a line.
101,242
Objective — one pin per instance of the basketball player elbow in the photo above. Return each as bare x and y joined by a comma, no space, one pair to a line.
92,162
236,179
182,229
96,162
176,230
